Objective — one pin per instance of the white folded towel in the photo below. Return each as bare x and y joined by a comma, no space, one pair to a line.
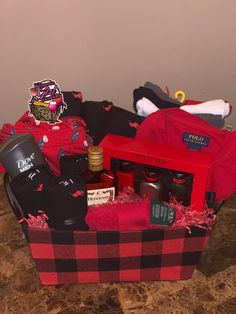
217,107
145,107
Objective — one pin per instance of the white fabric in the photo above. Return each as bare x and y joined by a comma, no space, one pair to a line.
217,107
145,107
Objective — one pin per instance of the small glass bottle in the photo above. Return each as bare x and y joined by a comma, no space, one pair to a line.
100,183
125,175
150,186
180,187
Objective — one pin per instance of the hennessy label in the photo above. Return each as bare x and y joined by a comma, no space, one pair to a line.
100,196
161,213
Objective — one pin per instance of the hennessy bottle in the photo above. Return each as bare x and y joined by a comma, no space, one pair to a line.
100,183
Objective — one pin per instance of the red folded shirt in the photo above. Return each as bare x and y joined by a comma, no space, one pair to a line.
66,138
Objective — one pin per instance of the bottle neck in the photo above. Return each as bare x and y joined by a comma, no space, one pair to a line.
95,167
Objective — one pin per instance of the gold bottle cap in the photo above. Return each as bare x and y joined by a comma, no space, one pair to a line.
95,158
95,150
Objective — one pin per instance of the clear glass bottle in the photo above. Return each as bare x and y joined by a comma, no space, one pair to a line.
150,186
100,183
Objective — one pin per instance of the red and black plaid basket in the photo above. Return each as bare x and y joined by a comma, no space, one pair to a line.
69,257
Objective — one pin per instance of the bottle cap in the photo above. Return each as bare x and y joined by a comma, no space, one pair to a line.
126,166
179,177
95,158
95,150
151,174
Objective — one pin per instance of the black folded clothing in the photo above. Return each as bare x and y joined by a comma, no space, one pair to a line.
74,164
73,101
67,203
161,94
103,118
63,199
122,122
96,116
158,99
28,188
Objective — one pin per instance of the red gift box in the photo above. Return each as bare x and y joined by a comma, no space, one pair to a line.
196,163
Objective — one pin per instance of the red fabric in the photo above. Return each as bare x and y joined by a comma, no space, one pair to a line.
120,217
166,126
136,216
68,137
191,102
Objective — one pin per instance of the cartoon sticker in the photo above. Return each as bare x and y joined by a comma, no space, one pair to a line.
47,101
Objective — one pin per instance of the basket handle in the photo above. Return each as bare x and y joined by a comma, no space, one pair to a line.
217,206
11,197
210,201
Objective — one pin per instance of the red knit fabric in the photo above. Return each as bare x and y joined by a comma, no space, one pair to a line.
68,137
166,126
120,217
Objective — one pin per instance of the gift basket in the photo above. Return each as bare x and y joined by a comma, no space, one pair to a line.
130,200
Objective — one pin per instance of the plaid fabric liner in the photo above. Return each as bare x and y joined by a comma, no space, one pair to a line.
67,257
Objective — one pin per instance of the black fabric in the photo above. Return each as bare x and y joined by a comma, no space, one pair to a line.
101,117
74,164
28,188
157,100
96,116
63,199
122,122
73,101
161,94
67,204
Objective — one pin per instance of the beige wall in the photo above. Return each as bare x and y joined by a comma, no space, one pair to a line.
106,48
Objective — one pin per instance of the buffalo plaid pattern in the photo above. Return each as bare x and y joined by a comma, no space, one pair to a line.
67,257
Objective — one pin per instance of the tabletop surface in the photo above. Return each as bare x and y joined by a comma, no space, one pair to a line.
210,290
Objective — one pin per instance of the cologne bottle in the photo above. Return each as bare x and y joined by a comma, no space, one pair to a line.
125,175
150,186
100,183
180,187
